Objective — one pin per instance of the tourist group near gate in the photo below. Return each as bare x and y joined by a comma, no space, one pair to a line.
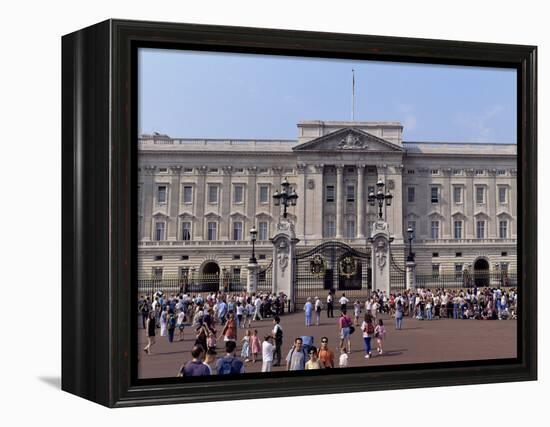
347,246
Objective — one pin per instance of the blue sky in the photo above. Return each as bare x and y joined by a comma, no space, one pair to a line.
216,95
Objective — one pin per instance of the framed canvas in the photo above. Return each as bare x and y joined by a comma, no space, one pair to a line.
254,213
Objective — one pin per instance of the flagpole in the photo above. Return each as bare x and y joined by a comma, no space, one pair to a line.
352,95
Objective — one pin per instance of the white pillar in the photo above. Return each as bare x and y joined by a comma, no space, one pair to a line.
381,257
339,201
411,275
360,201
252,277
284,251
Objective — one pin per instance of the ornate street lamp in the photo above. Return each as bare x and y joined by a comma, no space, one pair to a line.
287,197
253,233
380,197
410,232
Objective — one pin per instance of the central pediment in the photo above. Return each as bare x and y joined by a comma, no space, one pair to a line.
348,139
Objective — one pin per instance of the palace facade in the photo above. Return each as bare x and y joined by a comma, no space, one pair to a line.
198,198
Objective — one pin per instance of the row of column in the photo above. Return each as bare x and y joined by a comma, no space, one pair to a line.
340,201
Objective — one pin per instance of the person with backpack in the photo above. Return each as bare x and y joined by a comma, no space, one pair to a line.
297,357
230,364
368,332
195,367
318,309
143,308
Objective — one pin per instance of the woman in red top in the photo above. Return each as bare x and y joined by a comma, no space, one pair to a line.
230,329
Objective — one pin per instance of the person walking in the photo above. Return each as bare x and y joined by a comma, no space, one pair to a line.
229,331
255,346
308,310
277,334
171,325
330,305
267,353
344,323
343,302
150,327
326,355
318,309
379,335
143,308
368,332
164,323
245,351
398,315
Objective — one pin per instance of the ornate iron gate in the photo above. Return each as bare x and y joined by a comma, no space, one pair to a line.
331,265
398,277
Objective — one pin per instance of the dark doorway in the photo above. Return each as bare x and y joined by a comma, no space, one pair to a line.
481,273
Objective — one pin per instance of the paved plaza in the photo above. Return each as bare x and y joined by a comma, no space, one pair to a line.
420,341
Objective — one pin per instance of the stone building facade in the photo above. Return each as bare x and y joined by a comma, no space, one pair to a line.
198,198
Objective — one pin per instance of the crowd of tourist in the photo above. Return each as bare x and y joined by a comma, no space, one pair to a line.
219,316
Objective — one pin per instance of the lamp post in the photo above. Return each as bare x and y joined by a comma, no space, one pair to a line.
253,233
287,196
381,198
410,232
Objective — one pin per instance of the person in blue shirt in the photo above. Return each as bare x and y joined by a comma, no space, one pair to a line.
308,309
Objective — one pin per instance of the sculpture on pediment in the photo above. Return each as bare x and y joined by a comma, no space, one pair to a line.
351,142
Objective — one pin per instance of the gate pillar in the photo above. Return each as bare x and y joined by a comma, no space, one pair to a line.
411,275
252,277
284,250
380,244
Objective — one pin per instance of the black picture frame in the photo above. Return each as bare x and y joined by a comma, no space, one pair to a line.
99,158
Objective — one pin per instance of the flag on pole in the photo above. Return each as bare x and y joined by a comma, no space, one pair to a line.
352,94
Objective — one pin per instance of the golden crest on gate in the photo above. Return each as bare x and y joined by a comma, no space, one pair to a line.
318,266
348,267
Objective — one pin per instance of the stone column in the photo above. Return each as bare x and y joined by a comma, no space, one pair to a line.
411,274
252,277
224,200
360,201
148,191
199,231
339,201
301,206
173,209
381,257
284,250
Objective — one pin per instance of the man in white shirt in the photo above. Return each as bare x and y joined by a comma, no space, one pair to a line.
267,353
343,302
330,306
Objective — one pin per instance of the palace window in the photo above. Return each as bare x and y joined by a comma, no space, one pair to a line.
238,193
410,194
264,194
329,196
480,195
435,271
350,228
435,171
237,230
331,228
458,229
212,194
186,230
435,194
162,192
457,194
212,231
479,172
480,229
156,272
263,230
502,193
350,193
160,227
434,230
187,194
158,257
503,229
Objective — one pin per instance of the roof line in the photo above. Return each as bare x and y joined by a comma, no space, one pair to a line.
458,143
